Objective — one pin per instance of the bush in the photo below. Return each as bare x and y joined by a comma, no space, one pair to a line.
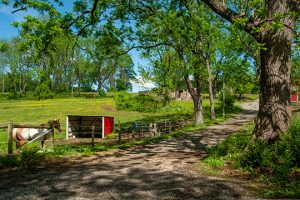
43,92
278,158
102,94
140,103
13,96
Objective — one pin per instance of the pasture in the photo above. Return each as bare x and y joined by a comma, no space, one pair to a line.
36,112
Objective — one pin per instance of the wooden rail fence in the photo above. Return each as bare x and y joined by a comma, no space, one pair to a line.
136,129
143,129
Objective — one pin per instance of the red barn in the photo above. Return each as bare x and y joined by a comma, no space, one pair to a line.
81,126
294,93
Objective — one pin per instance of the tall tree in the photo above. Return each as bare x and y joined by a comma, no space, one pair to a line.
272,24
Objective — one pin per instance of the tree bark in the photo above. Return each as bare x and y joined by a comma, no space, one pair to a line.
274,115
210,90
198,111
79,82
197,99
275,62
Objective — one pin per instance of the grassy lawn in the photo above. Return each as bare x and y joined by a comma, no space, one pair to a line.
36,112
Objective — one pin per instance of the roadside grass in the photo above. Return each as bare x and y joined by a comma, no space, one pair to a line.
273,170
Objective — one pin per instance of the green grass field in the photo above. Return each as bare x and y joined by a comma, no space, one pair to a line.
36,112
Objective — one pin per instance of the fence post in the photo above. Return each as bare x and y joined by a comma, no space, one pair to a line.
150,129
143,129
119,133
10,131
93,135
154,130
52,131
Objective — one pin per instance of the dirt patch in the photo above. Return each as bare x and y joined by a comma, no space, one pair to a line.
109,108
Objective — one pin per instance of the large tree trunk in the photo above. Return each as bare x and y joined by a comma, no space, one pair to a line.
274,115
210,90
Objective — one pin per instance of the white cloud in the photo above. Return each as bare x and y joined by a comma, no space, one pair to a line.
141,84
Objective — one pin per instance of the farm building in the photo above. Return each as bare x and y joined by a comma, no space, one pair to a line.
82,126
294,93
181,95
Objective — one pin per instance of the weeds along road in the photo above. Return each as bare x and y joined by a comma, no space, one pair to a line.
157,171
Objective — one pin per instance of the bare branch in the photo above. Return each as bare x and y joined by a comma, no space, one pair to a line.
20,9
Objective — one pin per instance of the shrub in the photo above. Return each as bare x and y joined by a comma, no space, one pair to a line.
102,94
278,158
13,96
140,103
43,92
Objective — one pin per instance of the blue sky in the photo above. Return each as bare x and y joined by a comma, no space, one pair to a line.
8,31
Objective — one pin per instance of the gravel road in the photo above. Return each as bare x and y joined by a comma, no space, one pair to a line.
158,171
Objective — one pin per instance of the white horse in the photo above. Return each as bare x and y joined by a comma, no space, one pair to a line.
23,135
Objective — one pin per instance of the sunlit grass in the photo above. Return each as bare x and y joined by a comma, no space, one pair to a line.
36,112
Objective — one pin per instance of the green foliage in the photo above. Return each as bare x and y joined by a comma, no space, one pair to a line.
231,146
13,96
102,94
43,92
140,102
277,161
214,162
229,98
277,158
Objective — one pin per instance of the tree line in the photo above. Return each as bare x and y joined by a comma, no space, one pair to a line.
68,65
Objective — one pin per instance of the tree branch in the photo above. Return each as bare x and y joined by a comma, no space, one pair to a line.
20,9
230,15
91,12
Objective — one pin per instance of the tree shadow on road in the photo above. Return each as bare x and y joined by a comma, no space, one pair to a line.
118,180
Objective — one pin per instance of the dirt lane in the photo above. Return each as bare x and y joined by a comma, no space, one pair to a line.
157,171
